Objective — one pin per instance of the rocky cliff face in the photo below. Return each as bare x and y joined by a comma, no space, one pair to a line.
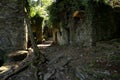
12,29
99,23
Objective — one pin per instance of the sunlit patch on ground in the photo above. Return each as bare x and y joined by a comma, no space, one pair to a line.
45,44
18,52
4,69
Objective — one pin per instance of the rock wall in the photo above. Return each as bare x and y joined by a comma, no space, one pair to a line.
78,30
12,27
36,25
101,23
104,26
83,35
62,36
117,20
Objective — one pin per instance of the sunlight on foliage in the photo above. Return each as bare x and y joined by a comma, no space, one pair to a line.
39,7
113,3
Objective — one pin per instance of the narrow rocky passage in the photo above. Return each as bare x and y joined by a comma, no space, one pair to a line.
76,63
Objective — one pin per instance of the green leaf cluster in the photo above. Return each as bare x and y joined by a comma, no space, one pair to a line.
39,7
63,8
59,9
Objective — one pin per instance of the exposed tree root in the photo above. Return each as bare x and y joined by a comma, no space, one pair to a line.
33,60
29,61
22,66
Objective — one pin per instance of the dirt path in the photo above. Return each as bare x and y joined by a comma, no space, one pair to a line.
71,62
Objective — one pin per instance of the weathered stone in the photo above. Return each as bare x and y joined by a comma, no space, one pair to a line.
12,28
98,23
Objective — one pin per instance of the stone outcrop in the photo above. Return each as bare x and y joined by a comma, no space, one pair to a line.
93,22
12,27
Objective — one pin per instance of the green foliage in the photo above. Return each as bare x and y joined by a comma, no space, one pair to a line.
113,3
39,7
32,12
59,10
114,58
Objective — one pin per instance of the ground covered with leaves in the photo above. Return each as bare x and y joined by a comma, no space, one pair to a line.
71,62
